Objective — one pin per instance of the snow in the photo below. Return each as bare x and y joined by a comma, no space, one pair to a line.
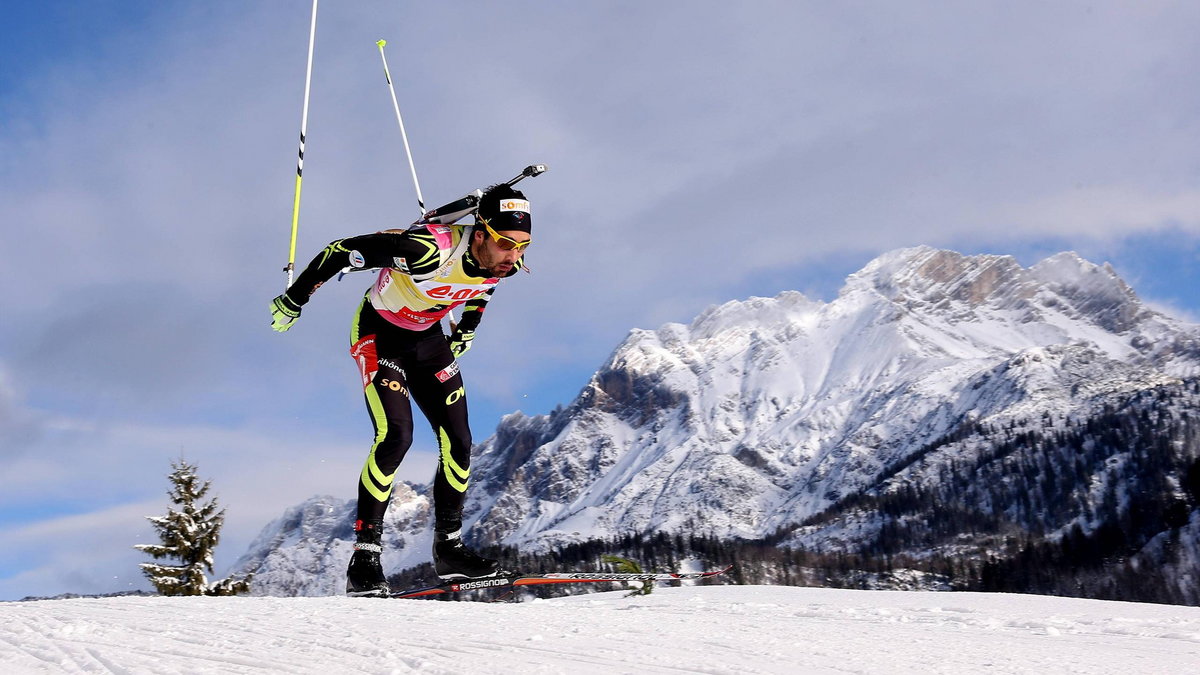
703,629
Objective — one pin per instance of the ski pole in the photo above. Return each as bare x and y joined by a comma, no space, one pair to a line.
396,105
312,34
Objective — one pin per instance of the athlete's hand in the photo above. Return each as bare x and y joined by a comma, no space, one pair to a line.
284,313
460,342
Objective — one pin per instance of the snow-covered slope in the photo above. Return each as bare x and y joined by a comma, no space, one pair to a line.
711,629
764,412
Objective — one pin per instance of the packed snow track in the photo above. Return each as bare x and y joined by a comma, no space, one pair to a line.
711,629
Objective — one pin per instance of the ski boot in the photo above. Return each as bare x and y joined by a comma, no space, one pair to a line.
364,576
453,560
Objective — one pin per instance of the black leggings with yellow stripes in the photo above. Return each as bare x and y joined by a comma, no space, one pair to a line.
398,364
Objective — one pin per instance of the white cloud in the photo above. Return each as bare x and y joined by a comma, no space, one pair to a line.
1110,211
86,553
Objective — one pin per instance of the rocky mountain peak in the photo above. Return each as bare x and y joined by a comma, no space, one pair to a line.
928,277
930,281
1094,291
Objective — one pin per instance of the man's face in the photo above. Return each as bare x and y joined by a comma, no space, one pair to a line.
491,257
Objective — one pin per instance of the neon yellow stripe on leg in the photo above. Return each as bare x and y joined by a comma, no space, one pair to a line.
371,473
455,474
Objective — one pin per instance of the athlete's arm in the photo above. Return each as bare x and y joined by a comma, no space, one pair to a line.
472,314
384,249
464,331
396,248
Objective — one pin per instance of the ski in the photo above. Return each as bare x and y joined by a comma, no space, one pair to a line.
514,580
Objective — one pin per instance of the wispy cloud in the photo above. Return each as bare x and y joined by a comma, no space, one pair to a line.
84,553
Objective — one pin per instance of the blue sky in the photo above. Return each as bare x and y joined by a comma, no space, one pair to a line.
699,152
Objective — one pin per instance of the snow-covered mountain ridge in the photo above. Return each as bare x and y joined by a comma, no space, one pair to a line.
763,413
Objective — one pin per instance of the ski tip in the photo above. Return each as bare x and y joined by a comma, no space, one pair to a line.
382,43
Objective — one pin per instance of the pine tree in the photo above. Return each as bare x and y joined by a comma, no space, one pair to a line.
190,535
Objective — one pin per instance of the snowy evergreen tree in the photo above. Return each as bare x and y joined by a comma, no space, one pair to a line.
189,533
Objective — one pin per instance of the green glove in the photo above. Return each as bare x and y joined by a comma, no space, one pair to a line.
460,342
284,313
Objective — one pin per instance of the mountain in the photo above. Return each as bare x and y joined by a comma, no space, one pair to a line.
790,419
305,551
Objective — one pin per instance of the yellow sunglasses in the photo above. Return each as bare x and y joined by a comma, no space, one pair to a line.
505,243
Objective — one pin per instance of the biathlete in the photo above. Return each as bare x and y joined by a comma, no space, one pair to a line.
402,352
